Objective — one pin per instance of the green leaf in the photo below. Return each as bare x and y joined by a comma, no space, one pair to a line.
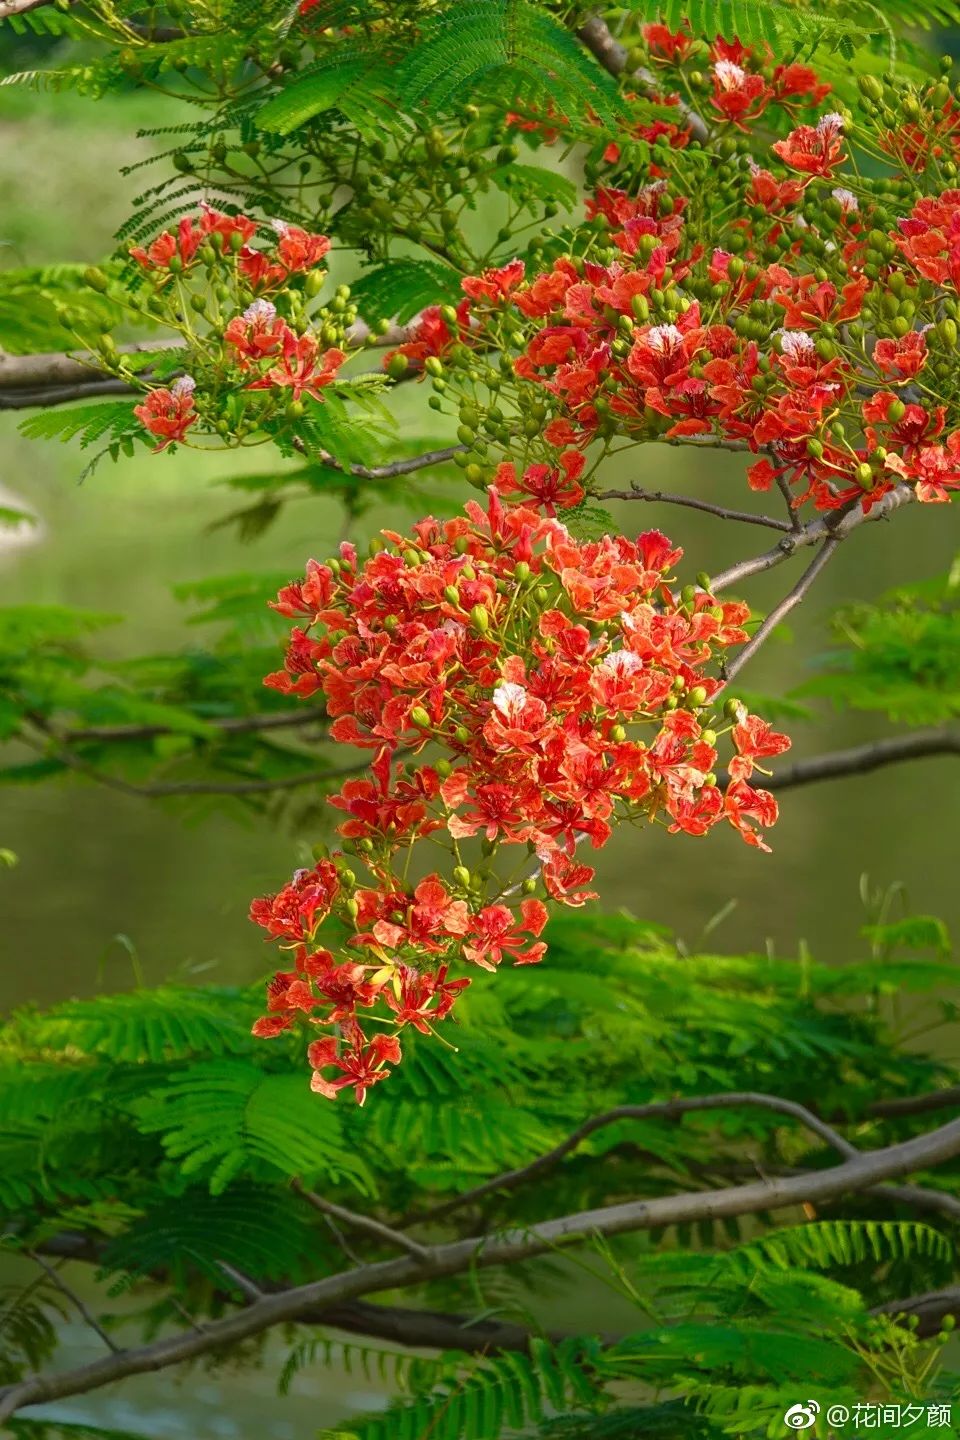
228,1118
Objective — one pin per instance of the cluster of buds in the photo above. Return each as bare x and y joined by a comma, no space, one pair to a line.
520,693
256,346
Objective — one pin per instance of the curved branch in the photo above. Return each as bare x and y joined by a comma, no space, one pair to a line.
722,513
860,1172
656,1110
862,759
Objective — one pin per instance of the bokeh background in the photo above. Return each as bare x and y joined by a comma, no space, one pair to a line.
103,877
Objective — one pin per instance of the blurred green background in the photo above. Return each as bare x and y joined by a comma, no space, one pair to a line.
174,884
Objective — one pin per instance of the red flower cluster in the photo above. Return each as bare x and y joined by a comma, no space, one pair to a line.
552,687
273,353
623,347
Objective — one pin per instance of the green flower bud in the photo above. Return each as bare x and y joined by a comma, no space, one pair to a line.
480,619
397,366
421,717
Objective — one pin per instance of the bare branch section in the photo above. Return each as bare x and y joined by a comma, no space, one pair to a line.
783,609
862,759
837,526
745,517
656,1110
613,57
854,1175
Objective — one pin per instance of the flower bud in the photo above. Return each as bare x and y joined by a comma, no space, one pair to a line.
697,696
522,571
462,876
529,885
397,366
452,595
421,717
352,908
448,315
480,619
96,279
732,708
618,734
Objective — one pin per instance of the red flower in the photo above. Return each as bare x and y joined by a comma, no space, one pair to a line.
497,932
755,739
362,1065
431,335
742,804
905,357
168,413
813,149
550,486
302,369
737,95
672,45
494,285
423,998
297,249
295,911
258,333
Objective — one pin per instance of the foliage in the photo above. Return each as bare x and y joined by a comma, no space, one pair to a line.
569,240
720,1309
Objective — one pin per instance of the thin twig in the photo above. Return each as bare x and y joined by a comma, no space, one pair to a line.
357,1221
384,472
75,1300
722,512
781,611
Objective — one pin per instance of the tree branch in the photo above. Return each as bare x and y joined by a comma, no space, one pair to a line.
930,1309
744,516
856,1174
613,57
782,610
837,526
862,759
656,1110
227,725
386,472
57,377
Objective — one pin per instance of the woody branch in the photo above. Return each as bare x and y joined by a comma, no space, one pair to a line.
858,1173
